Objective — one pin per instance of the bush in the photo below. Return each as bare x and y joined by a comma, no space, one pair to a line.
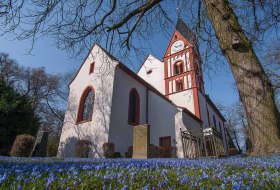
52,147
153,151
162,152
233,151
17,117
129,153
82,148
117,155
23,145
108,150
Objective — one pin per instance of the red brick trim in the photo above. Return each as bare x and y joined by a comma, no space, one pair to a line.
81,105
137,107
179,80
175,65
176,76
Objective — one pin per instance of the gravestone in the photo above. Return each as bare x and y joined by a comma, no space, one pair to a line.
41,144
141,141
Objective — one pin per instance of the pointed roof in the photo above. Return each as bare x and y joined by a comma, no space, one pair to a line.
150,55
106,52
186,32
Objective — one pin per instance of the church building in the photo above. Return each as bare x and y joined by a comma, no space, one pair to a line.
107,99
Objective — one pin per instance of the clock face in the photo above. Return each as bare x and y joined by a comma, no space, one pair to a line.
177,46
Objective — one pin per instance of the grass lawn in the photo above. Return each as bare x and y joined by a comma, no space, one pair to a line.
54,173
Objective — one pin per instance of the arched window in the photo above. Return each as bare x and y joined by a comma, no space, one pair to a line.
86,105
134,107
179,85
220,127
178,68
214,120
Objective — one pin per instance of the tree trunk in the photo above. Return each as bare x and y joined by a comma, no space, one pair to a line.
236,140
254,86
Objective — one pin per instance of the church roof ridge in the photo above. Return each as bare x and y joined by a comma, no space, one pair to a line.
90,50
214,107
146,59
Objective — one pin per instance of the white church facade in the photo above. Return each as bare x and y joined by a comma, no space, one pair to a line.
107,99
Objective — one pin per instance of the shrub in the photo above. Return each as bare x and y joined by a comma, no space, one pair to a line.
233,151
82,148
23,145
162,152
153,151
52,146
108,150
117,155
129,153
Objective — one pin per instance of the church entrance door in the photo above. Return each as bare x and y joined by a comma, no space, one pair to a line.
165,142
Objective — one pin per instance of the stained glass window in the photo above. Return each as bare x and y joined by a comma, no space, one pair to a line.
88,106
133,112
214,120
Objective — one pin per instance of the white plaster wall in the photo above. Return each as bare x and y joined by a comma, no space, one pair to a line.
218,119
156,78
96,130
161,115
162,119
184,122
183,99
121,133
203,109
179,125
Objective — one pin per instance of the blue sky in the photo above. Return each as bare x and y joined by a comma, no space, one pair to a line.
219,85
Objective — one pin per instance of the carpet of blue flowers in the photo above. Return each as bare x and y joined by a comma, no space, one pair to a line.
54,173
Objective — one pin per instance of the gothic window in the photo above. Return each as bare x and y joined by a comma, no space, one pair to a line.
178,68
214,120
220,127
134,107
179,85
86,105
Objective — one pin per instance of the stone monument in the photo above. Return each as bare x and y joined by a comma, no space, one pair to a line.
141,141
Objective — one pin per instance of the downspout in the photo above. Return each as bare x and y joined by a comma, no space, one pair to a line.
147,104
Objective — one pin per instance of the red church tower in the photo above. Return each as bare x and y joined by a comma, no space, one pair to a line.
182,69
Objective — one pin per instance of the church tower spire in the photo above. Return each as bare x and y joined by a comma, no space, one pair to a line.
182,65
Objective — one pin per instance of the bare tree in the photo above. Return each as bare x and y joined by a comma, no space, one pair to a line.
47,92
10,71
236,124
234,26
272,67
